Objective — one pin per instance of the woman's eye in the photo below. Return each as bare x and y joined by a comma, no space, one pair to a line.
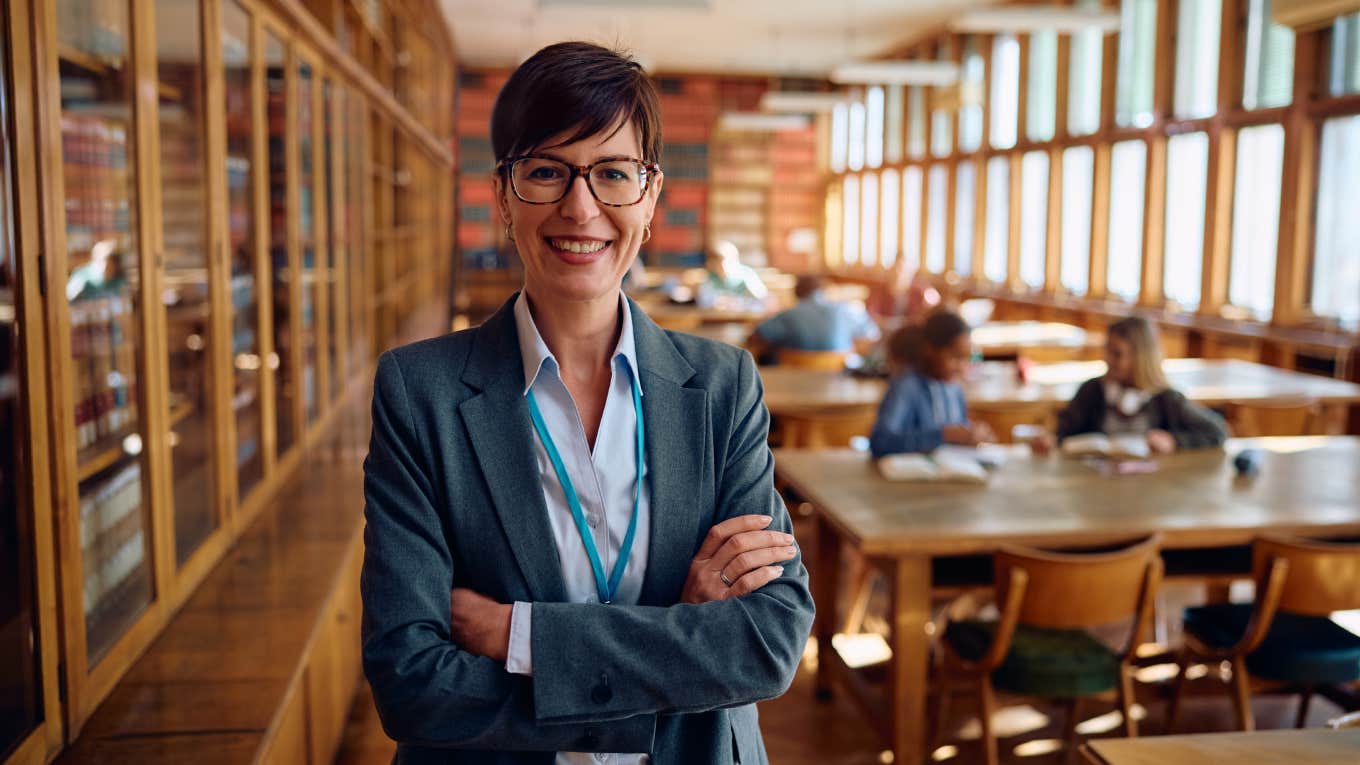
545,174
613,175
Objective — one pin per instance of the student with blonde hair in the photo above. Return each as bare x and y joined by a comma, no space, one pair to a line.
1134,398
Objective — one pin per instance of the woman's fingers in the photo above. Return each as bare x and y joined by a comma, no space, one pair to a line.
756,559
754,581
721,532
745,542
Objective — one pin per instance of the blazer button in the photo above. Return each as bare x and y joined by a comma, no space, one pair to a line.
601,694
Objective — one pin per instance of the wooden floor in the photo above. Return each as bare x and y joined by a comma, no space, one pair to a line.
801,731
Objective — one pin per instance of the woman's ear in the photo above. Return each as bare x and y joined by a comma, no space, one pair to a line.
502,201
654,192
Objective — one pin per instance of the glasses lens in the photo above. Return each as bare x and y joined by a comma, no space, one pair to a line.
619,182
539,180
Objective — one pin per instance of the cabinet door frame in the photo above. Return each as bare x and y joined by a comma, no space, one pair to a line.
320,239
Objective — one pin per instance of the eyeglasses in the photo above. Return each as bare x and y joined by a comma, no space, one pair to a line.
541,180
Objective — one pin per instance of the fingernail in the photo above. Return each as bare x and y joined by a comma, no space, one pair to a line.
779,570
766,519
790,552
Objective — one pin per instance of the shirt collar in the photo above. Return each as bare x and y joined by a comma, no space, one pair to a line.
535,354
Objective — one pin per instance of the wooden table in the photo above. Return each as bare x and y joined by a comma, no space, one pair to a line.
1306,486
1316,746
734,333
800,391
1018,338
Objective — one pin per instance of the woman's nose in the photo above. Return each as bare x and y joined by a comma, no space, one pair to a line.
579,204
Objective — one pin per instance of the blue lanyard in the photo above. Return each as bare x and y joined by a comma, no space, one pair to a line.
606,589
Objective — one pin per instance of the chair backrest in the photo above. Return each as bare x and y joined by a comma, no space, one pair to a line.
1322,577
1296,417
1068,590
821,430
818,360
1004,419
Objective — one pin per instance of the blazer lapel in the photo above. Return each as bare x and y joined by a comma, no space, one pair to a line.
677,450
497,423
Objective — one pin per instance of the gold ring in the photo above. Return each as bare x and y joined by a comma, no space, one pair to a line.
723,576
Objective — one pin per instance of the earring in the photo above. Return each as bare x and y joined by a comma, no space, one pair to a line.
509,233
646,233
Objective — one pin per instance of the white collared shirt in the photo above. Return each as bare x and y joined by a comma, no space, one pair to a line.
605,481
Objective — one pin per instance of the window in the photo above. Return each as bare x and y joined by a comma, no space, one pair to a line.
1005,98
941,132
998,225
891,190
1034,218
1336,269
1187,167
912,179
972,81
1268,58
835,232
1343,68
868,237
965,203
1078,168
1137,49
1197,26
1128,168
840,137
855,159
916,121
1041,105
937,219
1256,219
873,107
892,142
850,219
1084,73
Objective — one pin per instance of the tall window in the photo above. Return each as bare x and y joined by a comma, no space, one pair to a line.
916,121
1187,167
873,107
937,218
1268,59
1084,73
997,244
972,81
891,190
965,207
1256,219
892,140
855,156
1197,27
912,179
1033,217
868,236
835,227
1005,99
1343,68
1078,167
1128,169
850,219
1137,51
1336,268
840,137
1041,103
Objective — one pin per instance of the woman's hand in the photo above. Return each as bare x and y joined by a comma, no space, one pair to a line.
480,625
1161,442
741,550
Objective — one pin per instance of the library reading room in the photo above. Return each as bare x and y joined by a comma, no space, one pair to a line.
679,382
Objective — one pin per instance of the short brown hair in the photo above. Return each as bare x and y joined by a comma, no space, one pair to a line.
807,286
578,87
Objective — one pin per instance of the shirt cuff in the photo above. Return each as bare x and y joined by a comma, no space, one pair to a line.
519,654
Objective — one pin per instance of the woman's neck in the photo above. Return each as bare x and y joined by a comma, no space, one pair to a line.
581,334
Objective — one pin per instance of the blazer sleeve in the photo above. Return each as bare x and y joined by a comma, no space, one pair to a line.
1193,426
899,427
427,690
603,662
1082,413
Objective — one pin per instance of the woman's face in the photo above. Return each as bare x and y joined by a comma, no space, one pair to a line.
578,249
1119,360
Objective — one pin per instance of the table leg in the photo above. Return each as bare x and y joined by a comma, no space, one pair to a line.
909,674
825,573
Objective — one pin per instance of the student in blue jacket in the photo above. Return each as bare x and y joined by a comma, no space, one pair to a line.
924,406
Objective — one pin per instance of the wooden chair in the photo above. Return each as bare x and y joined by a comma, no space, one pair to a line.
1295,417
1040,646
1285,640
1003,419
821,430
830,361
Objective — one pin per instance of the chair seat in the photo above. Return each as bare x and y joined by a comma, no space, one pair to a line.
1051,663
1298,649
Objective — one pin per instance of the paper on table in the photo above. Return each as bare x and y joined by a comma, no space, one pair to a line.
1121,447
942,465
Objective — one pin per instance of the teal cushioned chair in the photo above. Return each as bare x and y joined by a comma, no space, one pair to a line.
1040,645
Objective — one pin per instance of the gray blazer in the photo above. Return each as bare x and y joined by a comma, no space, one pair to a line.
454,499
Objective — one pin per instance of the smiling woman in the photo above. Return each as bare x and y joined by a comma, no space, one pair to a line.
521,596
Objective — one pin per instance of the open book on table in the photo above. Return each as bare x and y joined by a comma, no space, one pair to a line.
1101,445
945,464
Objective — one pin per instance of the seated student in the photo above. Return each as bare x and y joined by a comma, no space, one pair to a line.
1133,398
924,405
727,275
815,323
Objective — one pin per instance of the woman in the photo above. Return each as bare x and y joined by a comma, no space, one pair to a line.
595,493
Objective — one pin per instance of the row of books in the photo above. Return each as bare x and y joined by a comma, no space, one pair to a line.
97,178
111,532
105,362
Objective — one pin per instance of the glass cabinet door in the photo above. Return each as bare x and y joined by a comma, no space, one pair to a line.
241,226
185,288
333,98
281,360
103,258
307,237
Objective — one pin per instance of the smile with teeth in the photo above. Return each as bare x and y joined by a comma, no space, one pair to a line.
578,247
